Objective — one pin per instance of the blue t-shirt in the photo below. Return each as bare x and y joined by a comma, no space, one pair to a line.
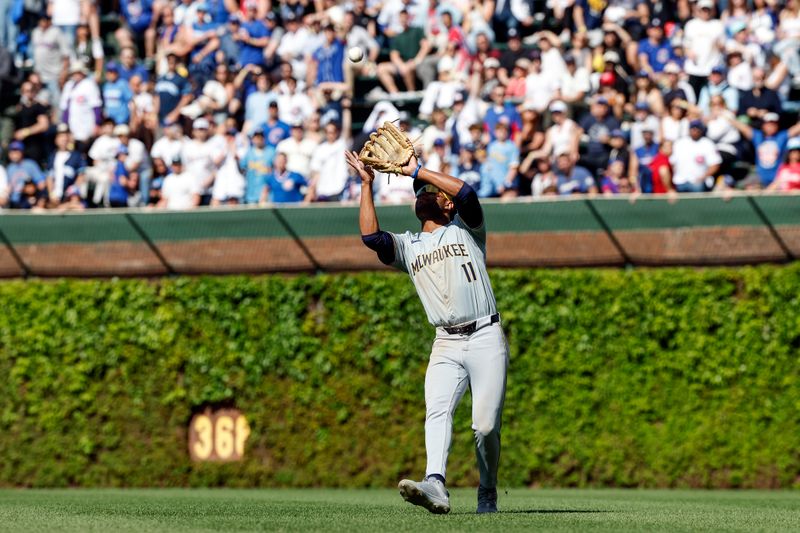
136,70
275,133
579,180
249,54
18,174
170,88
256,165
117,96
499,158
117,194
138,13
286,187
493,116
646,153
329,62
657,54
770,151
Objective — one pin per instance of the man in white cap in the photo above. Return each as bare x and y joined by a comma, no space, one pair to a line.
703,41
137,163
81,105
197,157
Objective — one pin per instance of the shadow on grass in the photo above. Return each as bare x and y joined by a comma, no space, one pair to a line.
548,511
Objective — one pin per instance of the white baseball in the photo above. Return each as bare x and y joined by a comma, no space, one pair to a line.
355,54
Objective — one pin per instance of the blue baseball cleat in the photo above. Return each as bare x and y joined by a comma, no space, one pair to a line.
487,500
429,493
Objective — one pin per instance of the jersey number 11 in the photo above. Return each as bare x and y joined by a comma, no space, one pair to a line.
469,271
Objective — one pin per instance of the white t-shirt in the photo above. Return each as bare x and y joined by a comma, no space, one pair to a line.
167,149
292,107
179,190
573,84
561,136
81,99
137,154
674,129
229,182
540,89
66,12
703,37
197,162
329,162
691,159
104,152
3,182
298,155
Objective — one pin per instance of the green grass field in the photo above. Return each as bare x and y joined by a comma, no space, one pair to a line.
383,510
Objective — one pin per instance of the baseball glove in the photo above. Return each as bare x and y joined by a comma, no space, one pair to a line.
387,150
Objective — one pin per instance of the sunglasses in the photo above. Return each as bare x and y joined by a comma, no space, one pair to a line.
433,189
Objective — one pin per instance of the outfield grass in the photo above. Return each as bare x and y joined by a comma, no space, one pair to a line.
383,510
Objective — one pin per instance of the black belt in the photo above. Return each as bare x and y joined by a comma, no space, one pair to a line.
469,328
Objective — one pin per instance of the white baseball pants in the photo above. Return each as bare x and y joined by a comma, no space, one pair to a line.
479,361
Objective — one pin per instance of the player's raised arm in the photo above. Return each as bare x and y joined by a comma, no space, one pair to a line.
371,234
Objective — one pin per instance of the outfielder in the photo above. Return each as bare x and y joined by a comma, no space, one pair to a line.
447,264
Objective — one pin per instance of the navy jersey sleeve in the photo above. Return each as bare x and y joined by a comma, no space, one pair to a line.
382,243
468,206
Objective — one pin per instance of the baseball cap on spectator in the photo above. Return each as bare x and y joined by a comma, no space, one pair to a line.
257,131
611,57
232,131
438,142
458,97
176,160
16,145
642,106
702,4
672,68
522,63
793,144
235,18
503,122
404,118
296,123
616,132
718,69
491,62
601,100
72,190
111,66
643,74
697,123
78,66
202,6
122,149
62,128
271,16
655,23
607,79
200,124
569,59
291,17
273,103
772,117
121,129
536,54
737,26
470,147
562,151
558,107
513,33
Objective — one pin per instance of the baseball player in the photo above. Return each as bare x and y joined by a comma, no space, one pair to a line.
446,261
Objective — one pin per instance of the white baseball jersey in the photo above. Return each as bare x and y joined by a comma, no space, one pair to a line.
448,269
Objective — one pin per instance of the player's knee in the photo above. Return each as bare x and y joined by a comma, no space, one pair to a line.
485,426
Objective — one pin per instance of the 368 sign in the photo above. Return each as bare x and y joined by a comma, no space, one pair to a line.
218,435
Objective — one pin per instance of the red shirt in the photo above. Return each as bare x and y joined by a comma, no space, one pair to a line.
788,177
659,161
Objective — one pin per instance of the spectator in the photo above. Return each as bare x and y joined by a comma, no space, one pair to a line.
544,181
436,131
64,168
725,136
643,120
256,164
788,176
531,136
675,87
137,15
759,100
197,160
645,91
540,88
294,43
661,170
81,105
117,96
718,84
89,51
563,136
252,37
439,158
488,77
173,92
257,102
283,185
299,150
675,125
615,179
31,123
499,171
769,143
274,129
442,92
103,154
645,154
66,16
573,179
408,58
499,110
51,54
180,190
598,126
703,39
468,169
169,146
293,104
326,66
695,161
328,165
123,189
229,184
655,52
129,67
138,168
509,58
22,175
574,85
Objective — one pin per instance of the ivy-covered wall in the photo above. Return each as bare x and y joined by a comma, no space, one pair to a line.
670,377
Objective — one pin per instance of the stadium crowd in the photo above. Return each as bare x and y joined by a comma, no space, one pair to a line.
174,104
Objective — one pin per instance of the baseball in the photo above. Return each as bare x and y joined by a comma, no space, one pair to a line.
355,54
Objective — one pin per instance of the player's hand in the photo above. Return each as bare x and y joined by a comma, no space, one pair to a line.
366,174
409,169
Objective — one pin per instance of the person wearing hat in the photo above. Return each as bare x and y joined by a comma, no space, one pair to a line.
575,83
760,99
788,176
718,84
646,153
769,143
123,186
21,171
695,160
655,51
169,145
468,168
540,87
256,165
197,156
282,185
81,104
598,125
446,262
275,129
64,166
298,149
117,95
511,55
180,189
675,87
501,110
703,38
644,120
172,93
408,58
138,166
499,171
562,136
103,155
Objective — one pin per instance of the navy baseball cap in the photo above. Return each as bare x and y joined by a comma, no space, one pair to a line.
719,69
697,123
438,142
618,133
16,145
470,147
112,67
642,106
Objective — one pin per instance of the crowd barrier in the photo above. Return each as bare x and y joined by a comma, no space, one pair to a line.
572,232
